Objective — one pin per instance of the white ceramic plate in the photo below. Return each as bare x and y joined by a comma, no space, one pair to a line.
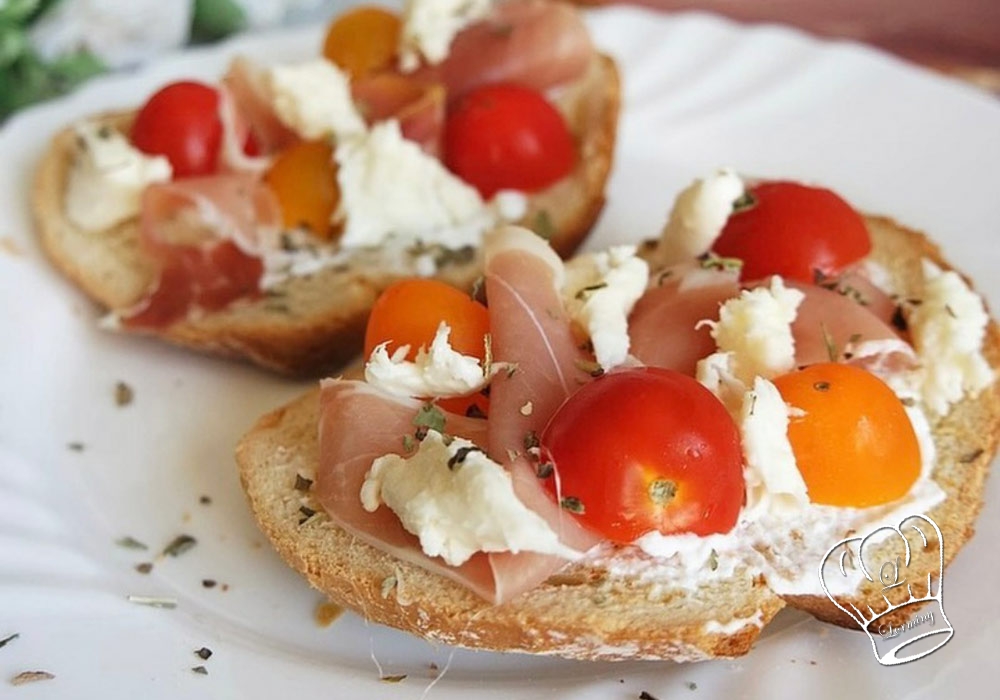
699,93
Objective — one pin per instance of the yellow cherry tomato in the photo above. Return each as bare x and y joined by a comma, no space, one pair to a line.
853,442
304,179
409,313
363,40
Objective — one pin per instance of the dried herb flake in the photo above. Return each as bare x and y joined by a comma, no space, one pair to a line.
11,638
200,670
393,679
302,483
456,460
31,677
307,513
543,225
204,653
165,603
75,446
647,696
123,394
130,543
429,417
179,545
208,583
145,567
572,504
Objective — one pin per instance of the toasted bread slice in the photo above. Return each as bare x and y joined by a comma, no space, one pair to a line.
588,610
966,440
309,324
593,609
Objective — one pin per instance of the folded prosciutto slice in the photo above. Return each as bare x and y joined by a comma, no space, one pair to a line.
535,43
848,318
359,423
199,231
663,324
532,334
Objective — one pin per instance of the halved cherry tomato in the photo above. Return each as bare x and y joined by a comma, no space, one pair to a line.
645,449
181,122
507,137
794,231
304,179
363,40
409,313
854,444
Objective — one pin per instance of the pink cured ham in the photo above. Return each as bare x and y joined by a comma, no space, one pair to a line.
358,424
663,328
418,106
833,324
198,230
530,330
243,85
536,43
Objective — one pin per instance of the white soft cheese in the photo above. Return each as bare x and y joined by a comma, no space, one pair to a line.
390,188
437,371
600,291
948,327
313,98
770,468
429,26
457,501
756,327
108,176
698,216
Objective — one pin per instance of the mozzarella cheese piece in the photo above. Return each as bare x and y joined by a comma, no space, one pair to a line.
429,26
600,291
390,188
948,327
457,501
698,216
771,471
756,327
108,176
313,99
437,371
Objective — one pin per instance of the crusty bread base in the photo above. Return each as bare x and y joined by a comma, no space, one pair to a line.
312,324
585,611
966,441
582,612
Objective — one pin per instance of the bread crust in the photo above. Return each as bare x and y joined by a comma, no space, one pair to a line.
312,324
586,611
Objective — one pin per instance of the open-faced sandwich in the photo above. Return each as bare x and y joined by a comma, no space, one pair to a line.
643,452
261,217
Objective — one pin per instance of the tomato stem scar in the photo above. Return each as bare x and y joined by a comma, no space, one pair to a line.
662,491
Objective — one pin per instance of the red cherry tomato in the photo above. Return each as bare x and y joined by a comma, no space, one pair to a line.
181,122
646,449
507,137
794,230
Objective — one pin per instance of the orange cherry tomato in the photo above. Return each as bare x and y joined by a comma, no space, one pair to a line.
304,179
645,449
363,40
854,444
409,313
